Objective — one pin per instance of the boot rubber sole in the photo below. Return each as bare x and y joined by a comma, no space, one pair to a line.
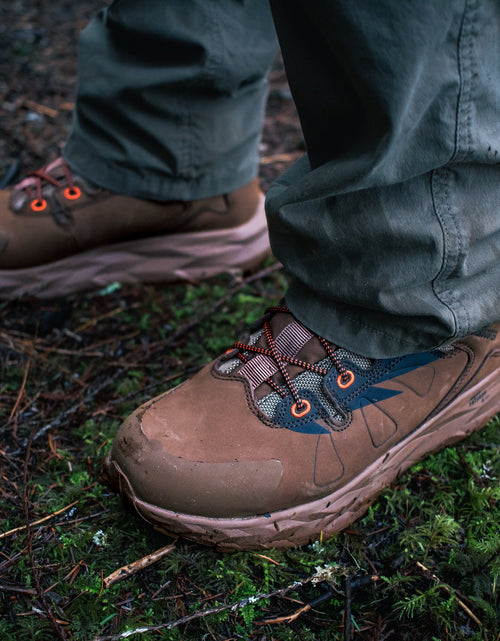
304,523
190,256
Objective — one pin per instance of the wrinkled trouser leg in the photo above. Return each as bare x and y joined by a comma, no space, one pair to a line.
171,96
390,227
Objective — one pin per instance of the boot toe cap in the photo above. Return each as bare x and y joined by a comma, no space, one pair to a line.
145,469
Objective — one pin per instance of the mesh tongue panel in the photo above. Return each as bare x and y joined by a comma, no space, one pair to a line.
361,361
305,381
269,404
228,366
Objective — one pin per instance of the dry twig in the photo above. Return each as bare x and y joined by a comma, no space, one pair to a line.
127,570
41,109
450,591
21,389
30,525
290,157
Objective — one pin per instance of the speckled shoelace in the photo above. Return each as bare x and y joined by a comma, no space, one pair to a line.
301,406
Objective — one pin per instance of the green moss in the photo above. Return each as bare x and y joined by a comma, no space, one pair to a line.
443,514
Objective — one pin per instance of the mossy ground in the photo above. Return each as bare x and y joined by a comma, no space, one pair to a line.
72,370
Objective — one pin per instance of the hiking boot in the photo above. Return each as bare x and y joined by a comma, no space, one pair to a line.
287,437
60,234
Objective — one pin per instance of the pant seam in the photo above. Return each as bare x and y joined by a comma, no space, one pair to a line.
186,153
443,212
453,241
216,58
466,72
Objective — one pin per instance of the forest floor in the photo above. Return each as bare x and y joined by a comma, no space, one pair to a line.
422,565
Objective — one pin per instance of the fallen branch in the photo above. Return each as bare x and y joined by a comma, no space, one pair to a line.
269,160
322,574
127,570
289,618
14,588
30,525
41,109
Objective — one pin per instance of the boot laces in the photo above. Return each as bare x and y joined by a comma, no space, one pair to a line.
301,406
38,179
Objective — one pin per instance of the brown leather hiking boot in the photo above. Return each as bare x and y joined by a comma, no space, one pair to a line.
286,436
58,234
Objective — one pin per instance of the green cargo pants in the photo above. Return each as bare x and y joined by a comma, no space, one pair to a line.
389,227
171,96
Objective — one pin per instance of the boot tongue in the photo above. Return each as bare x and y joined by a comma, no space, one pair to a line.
27,188
56,169
291,339
21,190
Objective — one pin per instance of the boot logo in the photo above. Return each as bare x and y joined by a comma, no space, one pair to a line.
478,398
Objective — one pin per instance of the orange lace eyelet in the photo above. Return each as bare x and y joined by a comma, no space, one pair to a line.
300,413
39,204
342,382
72,193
